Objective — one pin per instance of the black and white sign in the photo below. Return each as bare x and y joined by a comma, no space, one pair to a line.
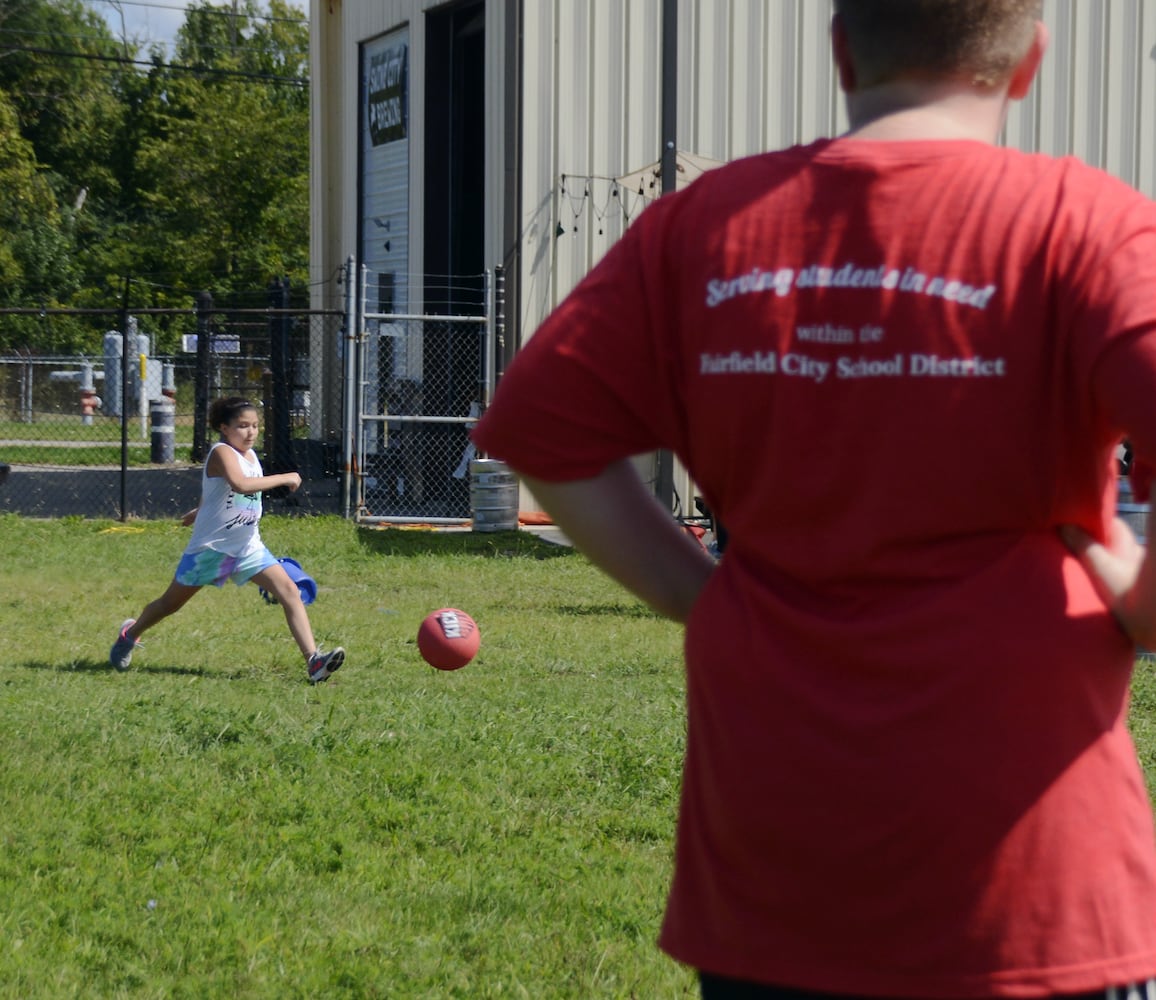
387,93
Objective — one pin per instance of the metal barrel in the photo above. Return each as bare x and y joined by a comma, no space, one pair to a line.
162,423
493,496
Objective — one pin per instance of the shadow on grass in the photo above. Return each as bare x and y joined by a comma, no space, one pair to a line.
103,667
489,544
75,667
620,610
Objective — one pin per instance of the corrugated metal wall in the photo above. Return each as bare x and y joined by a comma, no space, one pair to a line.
751,75
590,112
1096,94
337,30
755,75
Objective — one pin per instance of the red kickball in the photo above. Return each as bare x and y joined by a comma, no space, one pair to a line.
448,639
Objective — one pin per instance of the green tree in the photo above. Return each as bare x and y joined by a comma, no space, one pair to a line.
63,75
36,263
182,175
25,196
225,170
63,71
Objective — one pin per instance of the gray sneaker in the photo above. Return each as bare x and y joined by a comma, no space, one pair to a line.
321,665
120,656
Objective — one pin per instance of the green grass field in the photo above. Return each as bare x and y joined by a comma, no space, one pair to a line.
209,825
62,439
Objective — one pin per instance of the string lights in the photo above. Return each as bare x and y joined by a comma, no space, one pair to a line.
600,201
595,202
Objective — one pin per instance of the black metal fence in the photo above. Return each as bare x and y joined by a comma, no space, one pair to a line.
121,432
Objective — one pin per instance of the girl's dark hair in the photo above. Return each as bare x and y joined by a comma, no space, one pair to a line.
227,409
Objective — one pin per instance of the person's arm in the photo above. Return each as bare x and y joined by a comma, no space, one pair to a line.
623,529
226,464
1124,384
1124,573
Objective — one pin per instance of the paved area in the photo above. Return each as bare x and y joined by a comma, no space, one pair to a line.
548,533
154,493
150,493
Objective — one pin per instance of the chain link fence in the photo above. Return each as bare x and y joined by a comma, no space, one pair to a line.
422,380
423,385
122,432
372,406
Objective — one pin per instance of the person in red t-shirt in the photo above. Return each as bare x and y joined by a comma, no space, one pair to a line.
897,364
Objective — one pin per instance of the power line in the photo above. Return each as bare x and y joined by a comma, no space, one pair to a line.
151,42
202,10
295,81
154,42
100,40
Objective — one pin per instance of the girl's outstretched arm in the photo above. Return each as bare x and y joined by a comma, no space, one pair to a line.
226,464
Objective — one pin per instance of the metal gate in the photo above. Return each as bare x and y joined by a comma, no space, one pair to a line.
420,383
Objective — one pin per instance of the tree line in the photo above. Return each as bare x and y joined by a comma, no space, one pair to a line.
134,178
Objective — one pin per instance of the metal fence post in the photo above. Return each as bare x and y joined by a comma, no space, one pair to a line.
499,324
201,379
124,373
279,447
489,334
350,428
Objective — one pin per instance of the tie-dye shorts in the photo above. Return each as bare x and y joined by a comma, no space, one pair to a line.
199,569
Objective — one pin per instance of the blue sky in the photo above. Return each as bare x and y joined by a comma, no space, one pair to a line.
149,21
146,22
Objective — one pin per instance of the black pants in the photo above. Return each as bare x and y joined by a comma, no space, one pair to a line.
721,988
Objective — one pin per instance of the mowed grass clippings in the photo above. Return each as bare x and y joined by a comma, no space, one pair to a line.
207,824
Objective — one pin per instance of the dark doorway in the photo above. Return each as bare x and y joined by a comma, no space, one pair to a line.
455,198
455,153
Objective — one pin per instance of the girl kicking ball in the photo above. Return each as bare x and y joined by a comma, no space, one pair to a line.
226,542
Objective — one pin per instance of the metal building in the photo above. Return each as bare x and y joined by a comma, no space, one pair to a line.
449,139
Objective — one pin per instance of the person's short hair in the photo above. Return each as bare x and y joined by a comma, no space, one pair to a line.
227,409
980,40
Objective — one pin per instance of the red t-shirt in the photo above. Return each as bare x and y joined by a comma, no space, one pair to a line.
893,369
